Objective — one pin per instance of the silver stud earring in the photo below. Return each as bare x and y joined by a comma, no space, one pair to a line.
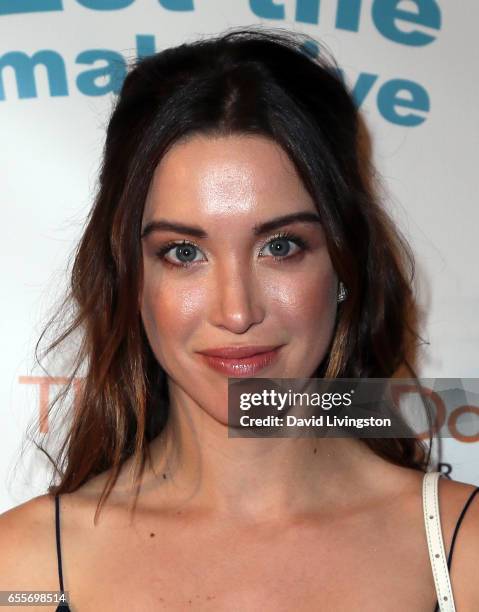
342,292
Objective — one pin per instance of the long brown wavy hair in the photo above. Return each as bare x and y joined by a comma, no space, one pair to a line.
244,81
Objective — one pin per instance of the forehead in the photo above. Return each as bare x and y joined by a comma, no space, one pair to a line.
214,177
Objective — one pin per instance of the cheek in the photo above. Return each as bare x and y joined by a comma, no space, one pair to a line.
306,302
170,312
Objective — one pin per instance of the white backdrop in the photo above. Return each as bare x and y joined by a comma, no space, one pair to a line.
413,70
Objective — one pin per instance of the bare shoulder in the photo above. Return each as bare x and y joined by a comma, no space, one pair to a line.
28,559
453,497
27,542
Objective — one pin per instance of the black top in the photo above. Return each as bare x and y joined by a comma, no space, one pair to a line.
458,524
63,607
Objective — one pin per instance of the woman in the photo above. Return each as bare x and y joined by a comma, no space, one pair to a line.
235,212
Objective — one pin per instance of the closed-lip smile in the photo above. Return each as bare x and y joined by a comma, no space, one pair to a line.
240,361
238,352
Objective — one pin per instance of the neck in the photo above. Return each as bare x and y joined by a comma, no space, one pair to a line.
197,467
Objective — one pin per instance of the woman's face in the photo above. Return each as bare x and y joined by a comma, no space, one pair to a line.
233,282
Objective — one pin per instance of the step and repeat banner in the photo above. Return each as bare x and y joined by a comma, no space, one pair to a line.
411,66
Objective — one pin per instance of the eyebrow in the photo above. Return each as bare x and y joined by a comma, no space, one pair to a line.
258,229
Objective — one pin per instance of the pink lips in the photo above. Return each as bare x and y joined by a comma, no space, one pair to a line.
240,361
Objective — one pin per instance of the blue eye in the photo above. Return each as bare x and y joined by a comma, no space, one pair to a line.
185,253
280,246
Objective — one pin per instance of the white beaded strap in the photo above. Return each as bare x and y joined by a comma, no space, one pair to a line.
435,543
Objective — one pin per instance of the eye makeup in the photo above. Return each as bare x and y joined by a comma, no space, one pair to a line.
285,236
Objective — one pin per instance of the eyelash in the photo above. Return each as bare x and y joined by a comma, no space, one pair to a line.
303,244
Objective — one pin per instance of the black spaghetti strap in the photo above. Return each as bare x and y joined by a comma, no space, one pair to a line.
456,529
62,607
59,549
458,524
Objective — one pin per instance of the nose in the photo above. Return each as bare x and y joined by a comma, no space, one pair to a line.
235,302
